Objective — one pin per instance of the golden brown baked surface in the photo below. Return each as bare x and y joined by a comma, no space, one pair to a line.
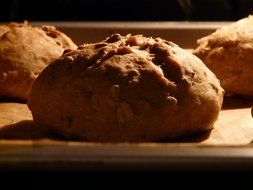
228,52
126,88
24,52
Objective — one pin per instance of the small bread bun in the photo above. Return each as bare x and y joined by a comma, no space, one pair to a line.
228,52
24,52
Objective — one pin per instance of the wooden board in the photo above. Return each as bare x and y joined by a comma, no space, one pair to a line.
234,126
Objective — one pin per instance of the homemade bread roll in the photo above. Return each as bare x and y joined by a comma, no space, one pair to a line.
24,52
228,52
126,88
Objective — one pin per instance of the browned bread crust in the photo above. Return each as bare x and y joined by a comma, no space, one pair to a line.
228,52
24,52
127,88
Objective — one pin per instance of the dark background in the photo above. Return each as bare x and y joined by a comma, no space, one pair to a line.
124,10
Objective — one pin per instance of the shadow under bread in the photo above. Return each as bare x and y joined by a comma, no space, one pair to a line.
237,102
27,129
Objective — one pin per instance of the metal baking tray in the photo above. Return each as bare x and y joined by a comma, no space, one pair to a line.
178,155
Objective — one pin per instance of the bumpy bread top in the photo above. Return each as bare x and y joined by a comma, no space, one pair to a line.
228,53
236,34
24,52
126,88
23,47
60,38
156,67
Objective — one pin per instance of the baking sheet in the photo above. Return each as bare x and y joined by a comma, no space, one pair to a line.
229,144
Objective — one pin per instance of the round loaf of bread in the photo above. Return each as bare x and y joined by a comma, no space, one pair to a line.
24,52
228,52
126,88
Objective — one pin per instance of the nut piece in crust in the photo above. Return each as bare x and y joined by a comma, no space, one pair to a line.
126,88
228,52
24,52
